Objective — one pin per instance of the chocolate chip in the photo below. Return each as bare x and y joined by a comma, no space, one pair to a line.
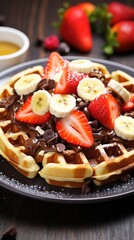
42,85
51,84
60,147
50,137
48,134
81,105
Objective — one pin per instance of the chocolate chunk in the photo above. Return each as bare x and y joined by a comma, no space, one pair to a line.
86,112
50,136
51,84
81,105
10,234
46,84
97,74
31,146
8,101
60,147
43,84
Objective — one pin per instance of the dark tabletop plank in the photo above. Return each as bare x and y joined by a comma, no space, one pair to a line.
39,220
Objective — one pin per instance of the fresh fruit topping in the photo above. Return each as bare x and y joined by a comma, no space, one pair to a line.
75,29
105,109
128,106
81,65
90,88
40,102
63,48
61,105
55,66
117,88
25,114
75,129
120,12
124,127
51,42
27,84
68,82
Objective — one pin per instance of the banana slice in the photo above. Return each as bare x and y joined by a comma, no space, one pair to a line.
81,65
40,102
124,127
61,105
90,88
27,84
119,90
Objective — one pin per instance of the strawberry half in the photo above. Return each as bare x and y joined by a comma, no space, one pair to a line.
129,106
54,65
68,82
75,129
25,114
105,109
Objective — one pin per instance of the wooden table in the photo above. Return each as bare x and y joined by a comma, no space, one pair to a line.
36,219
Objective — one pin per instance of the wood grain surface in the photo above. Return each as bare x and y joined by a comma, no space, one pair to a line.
39,220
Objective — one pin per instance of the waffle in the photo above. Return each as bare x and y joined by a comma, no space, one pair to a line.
11,138
126,80
105,162
66,170
113,160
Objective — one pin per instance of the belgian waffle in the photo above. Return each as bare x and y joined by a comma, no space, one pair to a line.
11,138
103,163
126,80
66,170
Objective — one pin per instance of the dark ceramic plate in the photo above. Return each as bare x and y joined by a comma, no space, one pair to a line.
37,188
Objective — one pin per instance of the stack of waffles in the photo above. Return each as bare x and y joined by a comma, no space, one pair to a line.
34,132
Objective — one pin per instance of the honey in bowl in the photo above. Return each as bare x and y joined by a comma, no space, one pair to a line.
8,48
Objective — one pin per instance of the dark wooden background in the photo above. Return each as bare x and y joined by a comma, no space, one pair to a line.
38,220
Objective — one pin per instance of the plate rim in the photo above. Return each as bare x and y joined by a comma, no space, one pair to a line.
103,61
57,199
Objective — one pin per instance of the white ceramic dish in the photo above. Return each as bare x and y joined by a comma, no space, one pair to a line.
17,37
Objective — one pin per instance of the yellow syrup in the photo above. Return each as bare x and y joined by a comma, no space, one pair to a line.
8,48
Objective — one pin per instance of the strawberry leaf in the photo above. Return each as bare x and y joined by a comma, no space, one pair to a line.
110,42
100,19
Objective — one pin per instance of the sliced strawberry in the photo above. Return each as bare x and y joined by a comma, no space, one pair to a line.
105,109
54,65
129,106
25,114
75,129
69,82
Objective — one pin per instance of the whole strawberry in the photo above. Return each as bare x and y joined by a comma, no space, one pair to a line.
124,35
120,38
75,29
120,12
